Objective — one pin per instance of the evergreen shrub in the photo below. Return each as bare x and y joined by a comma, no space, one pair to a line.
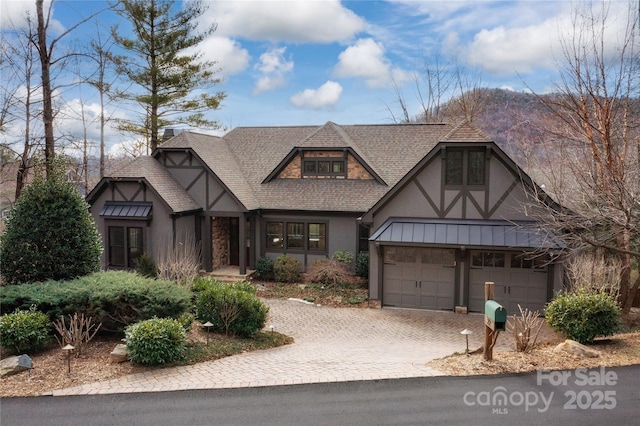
286,269
264,268
23,331
362,265
231,308
49,234
114,298
583,315
156,341
343,256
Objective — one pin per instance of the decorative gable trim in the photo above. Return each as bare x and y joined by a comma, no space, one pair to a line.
192,156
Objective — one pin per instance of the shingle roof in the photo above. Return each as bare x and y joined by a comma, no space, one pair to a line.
159,178
465,132
244,157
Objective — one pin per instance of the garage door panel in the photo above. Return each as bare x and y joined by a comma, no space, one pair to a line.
513,285
422,284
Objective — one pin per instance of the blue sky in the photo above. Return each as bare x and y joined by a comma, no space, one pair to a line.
308,62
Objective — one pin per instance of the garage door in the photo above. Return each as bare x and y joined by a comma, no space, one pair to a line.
415,277
517,280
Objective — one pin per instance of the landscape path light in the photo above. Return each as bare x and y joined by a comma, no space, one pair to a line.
466,333
207,325
68,350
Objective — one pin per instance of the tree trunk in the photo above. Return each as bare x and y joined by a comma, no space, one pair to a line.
47,107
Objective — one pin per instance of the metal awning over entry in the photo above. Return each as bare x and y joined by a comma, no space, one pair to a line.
127,209
470,233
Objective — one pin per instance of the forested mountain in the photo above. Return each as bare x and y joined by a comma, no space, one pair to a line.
514,120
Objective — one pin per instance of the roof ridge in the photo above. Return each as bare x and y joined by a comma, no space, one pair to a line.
469,130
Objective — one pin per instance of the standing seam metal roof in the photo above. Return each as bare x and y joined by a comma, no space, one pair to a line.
503,234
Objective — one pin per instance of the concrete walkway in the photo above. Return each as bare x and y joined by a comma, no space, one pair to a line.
331,345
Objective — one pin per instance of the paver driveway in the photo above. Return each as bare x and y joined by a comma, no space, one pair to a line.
331,344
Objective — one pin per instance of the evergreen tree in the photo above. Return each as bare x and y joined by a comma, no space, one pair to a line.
50,233
160,63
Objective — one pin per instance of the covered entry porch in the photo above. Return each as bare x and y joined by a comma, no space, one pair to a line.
228,250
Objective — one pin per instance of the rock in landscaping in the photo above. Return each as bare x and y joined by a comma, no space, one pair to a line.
14,365
578,349
119,354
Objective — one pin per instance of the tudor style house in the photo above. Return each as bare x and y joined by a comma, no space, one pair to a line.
439,208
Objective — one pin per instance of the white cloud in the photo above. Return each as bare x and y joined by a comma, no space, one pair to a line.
503,51
273,61
293,21
230,56
267,84
14,14
366,59
326,95
274,66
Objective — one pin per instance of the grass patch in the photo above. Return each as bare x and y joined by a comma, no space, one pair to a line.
340,295
220,346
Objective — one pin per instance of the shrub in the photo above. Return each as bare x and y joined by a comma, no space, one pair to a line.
362,265
329,272
178,262
115,298
231,308
343,256
522,328
77,332
583,315
286,269
50,234
24,330
264,268
145,266
186,321
156,341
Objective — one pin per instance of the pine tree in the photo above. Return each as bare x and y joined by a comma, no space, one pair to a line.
50,233
160,64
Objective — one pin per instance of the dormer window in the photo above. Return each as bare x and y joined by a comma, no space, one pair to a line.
324,167
465,166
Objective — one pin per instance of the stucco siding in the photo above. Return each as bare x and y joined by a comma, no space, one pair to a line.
159,225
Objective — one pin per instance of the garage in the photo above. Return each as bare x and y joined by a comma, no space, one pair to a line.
419,277
517,278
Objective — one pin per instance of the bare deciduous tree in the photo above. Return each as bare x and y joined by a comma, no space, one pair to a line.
445,92
20,97
48,62
593,160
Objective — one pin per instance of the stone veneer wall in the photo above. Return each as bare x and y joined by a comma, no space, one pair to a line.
355,170
220,237
293,170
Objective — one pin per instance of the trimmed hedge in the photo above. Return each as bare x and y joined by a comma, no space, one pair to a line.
114,298
583,315
156,341
24,331
231,308
286,269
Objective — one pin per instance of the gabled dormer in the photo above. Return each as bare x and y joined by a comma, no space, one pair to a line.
466,153
328,153
323,163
